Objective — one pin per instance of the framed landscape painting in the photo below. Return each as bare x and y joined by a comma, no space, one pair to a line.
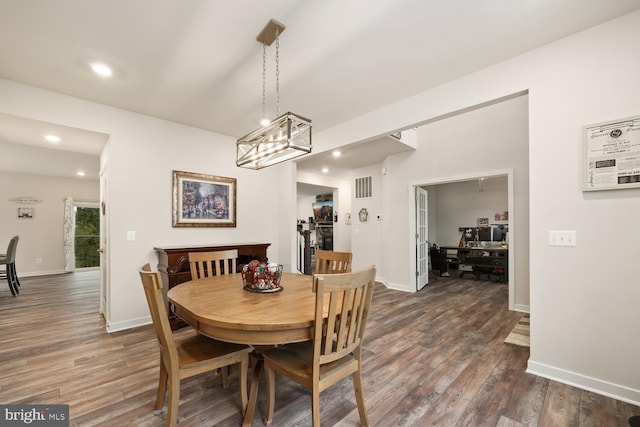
201,200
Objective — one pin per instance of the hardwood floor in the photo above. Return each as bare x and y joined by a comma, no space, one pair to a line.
435,357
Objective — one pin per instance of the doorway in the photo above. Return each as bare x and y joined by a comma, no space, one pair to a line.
87,236
475,179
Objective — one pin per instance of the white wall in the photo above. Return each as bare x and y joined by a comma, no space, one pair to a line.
583,299
367,237
40,237
143,152
460,204
305,209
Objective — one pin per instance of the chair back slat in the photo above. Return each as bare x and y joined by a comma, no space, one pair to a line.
215,263
331,262
343,320
355,321
342,306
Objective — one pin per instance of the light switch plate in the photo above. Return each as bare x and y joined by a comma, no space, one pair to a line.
562,238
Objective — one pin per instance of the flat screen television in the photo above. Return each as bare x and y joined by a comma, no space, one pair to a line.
323,212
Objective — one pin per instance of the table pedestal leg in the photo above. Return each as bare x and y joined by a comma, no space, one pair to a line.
253,392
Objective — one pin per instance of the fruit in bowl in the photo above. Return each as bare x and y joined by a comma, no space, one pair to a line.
262,277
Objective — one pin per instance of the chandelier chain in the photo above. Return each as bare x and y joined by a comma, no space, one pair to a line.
264,78
277,73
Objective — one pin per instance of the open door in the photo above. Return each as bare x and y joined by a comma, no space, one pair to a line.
422,239
103,246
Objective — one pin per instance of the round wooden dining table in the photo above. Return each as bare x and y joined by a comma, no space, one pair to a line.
219,307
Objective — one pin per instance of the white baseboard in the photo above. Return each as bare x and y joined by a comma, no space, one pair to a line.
595,385
41,273
128,324
522,308
394,286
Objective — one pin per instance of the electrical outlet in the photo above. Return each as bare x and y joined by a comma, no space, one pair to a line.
131,235
38,260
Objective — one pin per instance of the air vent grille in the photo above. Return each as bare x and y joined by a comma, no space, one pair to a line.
363,187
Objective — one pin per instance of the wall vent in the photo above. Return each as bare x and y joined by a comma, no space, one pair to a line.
363,187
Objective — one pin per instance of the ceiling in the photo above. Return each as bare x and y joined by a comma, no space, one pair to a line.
198,62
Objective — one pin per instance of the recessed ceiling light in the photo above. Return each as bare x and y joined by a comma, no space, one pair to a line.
336,153
52,138
325,170
80,173
102,70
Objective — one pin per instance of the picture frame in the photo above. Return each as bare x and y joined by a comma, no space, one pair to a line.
501,217
25,213
322,212
201,200
610,155
363,215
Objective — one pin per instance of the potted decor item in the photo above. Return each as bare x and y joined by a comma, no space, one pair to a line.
262,277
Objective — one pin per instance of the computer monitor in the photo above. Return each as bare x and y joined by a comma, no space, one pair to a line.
484,234
499,233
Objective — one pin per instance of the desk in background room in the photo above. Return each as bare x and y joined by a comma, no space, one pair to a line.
492,261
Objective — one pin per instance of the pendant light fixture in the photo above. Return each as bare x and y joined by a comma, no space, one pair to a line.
286,137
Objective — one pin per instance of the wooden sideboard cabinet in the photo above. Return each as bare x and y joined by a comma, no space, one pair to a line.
173,264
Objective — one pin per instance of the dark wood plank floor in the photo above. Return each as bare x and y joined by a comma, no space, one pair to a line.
436,357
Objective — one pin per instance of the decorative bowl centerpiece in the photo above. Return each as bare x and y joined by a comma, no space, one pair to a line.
262,277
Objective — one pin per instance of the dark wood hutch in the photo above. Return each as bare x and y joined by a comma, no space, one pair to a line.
173,264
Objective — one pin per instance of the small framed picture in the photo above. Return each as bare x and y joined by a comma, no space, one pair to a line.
25,213
501,217
363,215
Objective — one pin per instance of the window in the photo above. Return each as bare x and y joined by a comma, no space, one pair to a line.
87,237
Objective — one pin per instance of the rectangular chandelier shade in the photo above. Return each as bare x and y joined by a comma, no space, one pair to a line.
287,137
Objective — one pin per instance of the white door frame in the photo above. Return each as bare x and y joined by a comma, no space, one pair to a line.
457,178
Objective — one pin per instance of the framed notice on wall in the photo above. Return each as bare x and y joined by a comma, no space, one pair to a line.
612,155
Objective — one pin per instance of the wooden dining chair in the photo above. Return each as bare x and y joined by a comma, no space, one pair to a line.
9,261
341,310
215,263
188,356
330,262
